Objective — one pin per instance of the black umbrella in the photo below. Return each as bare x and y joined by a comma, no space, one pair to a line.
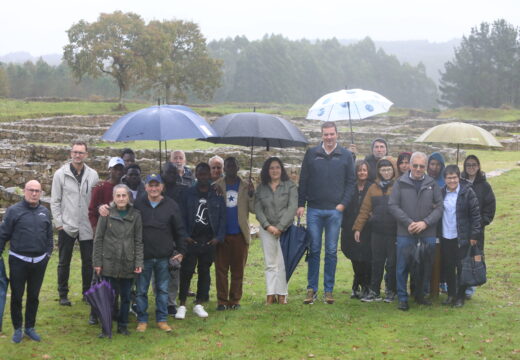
4,282
256,129
101,297
294,242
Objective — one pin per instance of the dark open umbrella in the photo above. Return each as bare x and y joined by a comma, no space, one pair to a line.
3,289
101,297
256,129
294,242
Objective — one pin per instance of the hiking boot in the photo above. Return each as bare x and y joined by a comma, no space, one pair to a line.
199,311
328,298
390,297
311,296
403,306
141,327
32,334
181,312
372,296
172,310
163,325
17,336
65,302
221,307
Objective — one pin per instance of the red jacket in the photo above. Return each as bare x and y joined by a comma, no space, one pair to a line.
102,194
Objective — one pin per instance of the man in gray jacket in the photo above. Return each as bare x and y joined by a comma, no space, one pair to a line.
71,190
417,205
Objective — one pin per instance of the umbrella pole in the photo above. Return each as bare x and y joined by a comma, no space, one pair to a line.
160,159
165,150
251,161
350,122
458,154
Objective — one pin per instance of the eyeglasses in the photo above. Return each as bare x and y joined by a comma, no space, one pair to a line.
420,166
386,170
471,165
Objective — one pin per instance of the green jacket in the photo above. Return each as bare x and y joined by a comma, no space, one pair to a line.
118,245
276,208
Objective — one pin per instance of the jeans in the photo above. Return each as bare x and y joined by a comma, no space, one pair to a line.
3,289
65,248
24,273
317,221
159,268
406,246
121,287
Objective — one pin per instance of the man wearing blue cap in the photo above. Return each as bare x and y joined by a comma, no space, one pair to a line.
164,239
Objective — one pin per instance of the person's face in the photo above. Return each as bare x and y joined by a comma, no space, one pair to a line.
362,173
133,177
32,192
434,168
275,171
217,169
386,172
203,176
471,167
169,175
78,154
129,159
178,159
154,190
329,137
116,173
231,168
379,150
121,198
404,166
418,167
452,181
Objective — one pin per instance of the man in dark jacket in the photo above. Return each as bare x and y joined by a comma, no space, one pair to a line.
27,225
327,183
416,204
379,150
204,215
163,234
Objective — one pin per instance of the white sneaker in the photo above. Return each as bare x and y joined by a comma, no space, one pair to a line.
199,311
181,313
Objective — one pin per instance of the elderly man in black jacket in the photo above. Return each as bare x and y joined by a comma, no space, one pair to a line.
27,225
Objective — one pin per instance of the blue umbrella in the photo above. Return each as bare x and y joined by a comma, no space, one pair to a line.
3,289
101,297
294,242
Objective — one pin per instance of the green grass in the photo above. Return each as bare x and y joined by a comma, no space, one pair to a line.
485,114
186,145
488,327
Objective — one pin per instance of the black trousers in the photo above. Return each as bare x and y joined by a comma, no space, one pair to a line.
65,247
22,273
203,255
451,256
361,274
383,257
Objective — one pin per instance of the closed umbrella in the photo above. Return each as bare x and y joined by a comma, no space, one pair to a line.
101,297
4,282
459,133
294,242
349,104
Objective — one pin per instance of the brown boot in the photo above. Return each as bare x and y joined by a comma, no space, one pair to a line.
282,299
270,299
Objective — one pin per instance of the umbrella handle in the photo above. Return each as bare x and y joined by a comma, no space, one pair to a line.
298,221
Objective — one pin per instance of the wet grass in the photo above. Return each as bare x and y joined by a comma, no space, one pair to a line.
485,114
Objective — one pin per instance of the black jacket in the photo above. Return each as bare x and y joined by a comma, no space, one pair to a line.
467,213
28,228
163,228
486,198
353,250
326,180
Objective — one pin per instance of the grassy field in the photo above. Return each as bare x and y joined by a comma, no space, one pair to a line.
488,327
484,114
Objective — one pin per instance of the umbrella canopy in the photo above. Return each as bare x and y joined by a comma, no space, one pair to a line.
159,122
349,104
459,133
294,242
101,297
3,289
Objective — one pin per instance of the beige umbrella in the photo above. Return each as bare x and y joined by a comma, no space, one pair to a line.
459,133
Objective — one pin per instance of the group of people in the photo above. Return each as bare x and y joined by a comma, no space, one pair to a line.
163,229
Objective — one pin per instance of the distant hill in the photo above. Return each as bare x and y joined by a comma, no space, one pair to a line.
21,56
432,55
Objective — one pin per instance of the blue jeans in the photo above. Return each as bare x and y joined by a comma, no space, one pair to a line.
406,246
317,221
123,288
159,268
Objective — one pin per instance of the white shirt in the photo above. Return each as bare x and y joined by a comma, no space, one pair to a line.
449,217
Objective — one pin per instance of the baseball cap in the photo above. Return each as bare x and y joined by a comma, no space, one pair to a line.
115,161
154,177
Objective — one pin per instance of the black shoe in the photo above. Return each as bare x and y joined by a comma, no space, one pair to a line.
221,307
390,297
123,330
235,307
172,310
65,302
102,336
403,306
354,294
93,320
458,303
423,301
191,294
450,300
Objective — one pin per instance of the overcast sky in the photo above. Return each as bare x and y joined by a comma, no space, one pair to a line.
39,27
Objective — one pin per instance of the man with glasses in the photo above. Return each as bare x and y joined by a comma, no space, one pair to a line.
417,205
28,227
71,192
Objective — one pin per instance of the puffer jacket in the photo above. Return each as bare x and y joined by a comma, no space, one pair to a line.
118,245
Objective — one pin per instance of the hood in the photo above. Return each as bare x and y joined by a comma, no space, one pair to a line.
438,156
392,161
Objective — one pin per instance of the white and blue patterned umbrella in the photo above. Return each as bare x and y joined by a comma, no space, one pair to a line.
350,104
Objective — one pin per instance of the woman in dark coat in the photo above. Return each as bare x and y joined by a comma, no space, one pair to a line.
358,253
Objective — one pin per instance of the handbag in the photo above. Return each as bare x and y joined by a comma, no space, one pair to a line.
473,268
